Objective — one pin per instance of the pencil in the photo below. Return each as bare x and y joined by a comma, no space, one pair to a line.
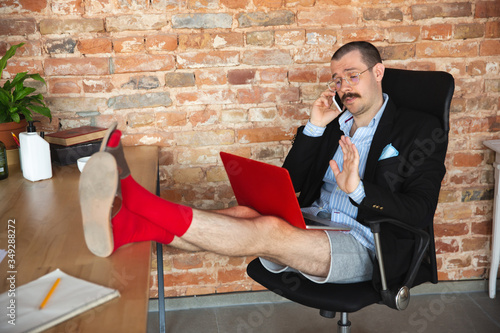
49,294
15,138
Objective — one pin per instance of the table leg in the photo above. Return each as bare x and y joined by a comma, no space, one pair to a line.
495,253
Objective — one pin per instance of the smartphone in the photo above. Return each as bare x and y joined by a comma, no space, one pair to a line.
338,102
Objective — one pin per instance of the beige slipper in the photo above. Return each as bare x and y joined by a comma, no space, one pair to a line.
99,186
107,135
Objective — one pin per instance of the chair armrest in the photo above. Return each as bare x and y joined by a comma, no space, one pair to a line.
398,298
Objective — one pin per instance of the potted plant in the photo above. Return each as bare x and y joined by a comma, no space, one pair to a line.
17,102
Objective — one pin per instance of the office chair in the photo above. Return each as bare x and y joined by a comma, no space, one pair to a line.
424,91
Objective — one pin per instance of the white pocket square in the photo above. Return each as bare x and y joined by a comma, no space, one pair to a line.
388,152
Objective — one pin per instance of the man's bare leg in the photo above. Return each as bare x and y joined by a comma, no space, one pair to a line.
264,236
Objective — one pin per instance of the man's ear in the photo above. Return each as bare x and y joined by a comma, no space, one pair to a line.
379,70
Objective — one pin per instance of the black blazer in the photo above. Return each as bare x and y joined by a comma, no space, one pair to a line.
405,187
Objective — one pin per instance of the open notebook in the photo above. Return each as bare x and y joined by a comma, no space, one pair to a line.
71,297
269,190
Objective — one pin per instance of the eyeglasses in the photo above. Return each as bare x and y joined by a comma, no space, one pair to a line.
352,78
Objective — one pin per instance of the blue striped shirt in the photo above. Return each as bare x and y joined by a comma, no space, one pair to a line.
334,201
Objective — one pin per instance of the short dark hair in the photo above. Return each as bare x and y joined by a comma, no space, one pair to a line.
369,53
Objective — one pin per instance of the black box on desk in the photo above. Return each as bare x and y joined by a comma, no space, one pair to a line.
65,155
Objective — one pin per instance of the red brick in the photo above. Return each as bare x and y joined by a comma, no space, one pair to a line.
67,26
187,261
268,3
397,52
267,95
231,275
194,41
492,29
26,5
421,66
271,57
475,243
64,86
272,75
305,74
303,3
128,45
189,278
485,9
289,37
76,66
490,48
235,4
97,85
15,66
482,228
263,134
447,246
448,49
161,43
294,111
453,213
383,14
406,34
428,11
205,117
469,30
143,63
477,67
17,27
362,34
474,273
68,7
436,32
208,59
226,39
241,76
341,16
451,229
210,77
94,45
220,96
454,263
467,159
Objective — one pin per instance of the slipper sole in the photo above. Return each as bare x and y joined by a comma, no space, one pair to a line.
97,189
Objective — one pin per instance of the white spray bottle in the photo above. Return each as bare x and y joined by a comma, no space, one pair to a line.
35,155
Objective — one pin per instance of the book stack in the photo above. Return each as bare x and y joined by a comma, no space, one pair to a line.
67,146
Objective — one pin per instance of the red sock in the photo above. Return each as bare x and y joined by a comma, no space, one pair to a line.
170,216
114,139
129,228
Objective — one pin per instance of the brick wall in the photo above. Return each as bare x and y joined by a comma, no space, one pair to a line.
195,77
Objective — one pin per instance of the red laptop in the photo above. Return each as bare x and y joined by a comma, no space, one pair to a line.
269,190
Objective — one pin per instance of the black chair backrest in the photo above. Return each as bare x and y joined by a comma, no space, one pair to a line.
424,91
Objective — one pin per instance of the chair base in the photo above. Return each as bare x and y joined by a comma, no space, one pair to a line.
343,325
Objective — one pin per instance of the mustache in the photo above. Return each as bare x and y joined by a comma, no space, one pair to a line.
349,95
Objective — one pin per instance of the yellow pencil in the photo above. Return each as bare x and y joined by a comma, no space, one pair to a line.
49,294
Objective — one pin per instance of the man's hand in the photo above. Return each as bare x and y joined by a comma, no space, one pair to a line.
347,179
322,112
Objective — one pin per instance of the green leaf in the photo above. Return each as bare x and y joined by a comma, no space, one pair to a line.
23,93
37,77
9,54
44,111
15,117
4,97
19,78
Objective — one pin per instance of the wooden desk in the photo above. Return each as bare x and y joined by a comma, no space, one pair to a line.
49,235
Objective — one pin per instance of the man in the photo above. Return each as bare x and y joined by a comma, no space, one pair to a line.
348,167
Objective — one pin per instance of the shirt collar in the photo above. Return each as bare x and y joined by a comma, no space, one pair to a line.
346,119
